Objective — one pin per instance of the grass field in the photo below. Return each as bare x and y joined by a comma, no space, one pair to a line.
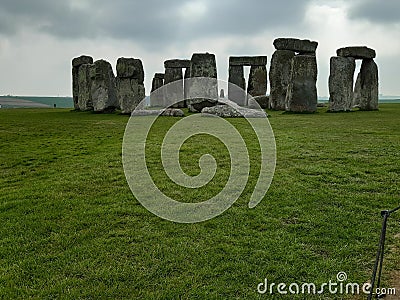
71,228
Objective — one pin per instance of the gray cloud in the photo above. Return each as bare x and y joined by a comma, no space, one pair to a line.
384,12
151,22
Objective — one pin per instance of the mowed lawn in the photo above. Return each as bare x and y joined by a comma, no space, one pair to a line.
71,228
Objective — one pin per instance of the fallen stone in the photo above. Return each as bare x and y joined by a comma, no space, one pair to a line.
227,111
302,90
279,76
295,45
168,112
358,52
341,83
130,68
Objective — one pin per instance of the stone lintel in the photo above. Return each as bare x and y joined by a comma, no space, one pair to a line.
177,63
357,52
248,60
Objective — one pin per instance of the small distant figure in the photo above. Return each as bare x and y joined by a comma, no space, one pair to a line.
222,94
54,105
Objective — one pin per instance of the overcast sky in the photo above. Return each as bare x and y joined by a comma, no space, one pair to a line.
39,38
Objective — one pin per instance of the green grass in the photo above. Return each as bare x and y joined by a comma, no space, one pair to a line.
71,228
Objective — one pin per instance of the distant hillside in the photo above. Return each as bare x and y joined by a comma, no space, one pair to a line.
67,102
29,101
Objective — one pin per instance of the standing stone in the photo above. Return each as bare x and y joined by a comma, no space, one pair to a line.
302,90
279,76
357,91
76,63
129,83
130,68
173,92
103,87
84,94
257,85
341,83
156,97
186,86
130,94
202,93
368,85
237,85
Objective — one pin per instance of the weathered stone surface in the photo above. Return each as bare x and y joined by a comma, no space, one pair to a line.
75,87
82,60
257,85
157,82
177,63
173,92
84,93
357,91
295,45
168,112
203,65
341,83
358,52
130,93
368,99
156,96
187,73
202,93
129,83
258,101
237,85
302,90
186,87
76,63
103,88
222,93
279,76
226,111
130,68
248,60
